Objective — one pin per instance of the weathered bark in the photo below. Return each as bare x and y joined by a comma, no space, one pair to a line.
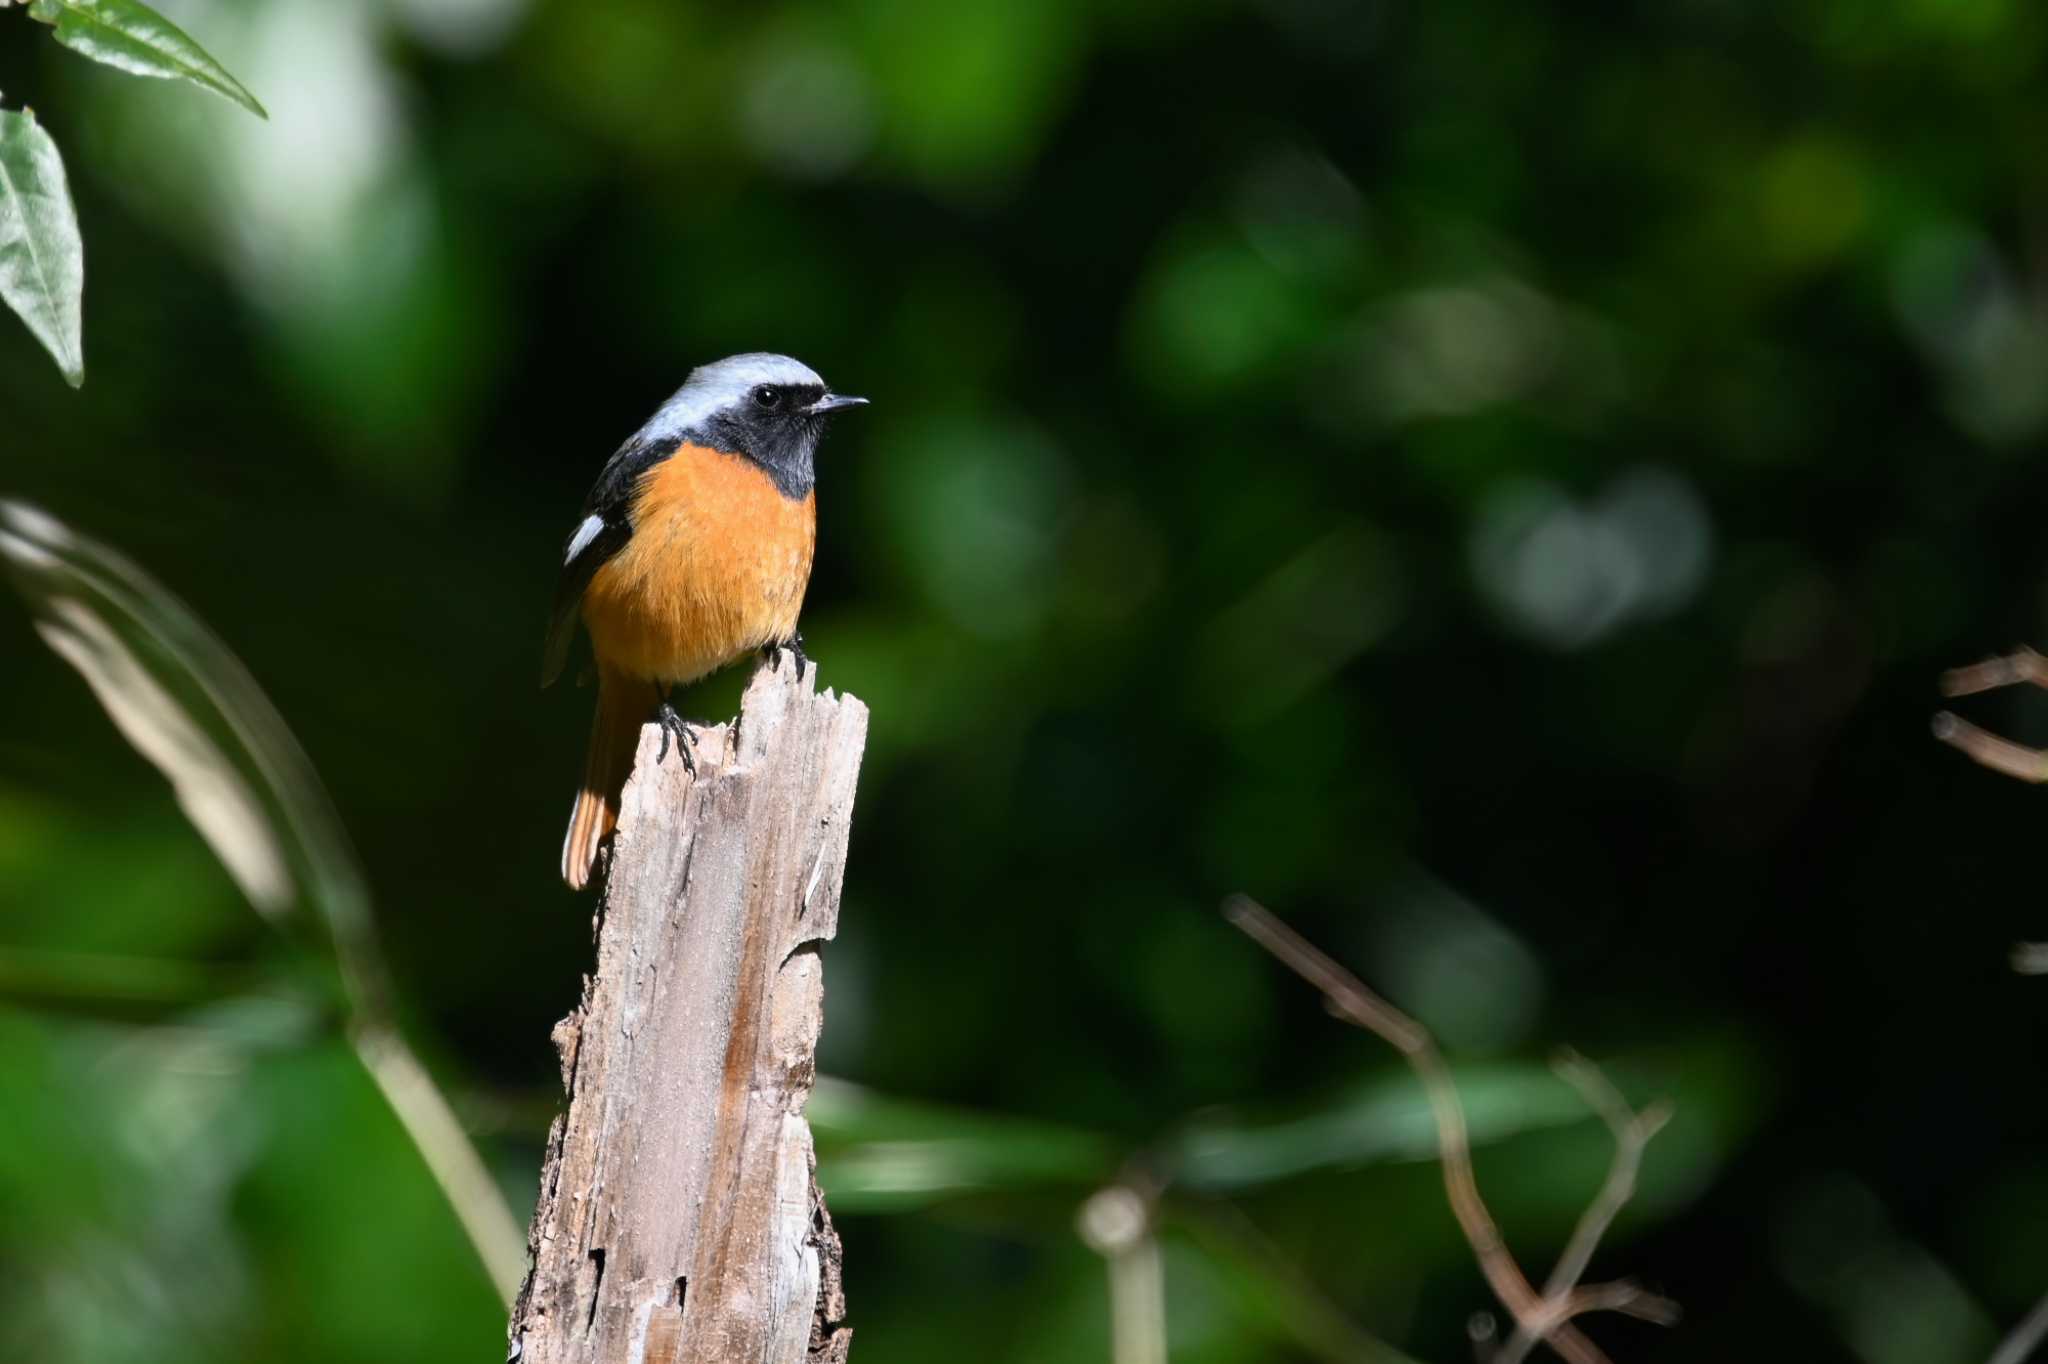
679,1219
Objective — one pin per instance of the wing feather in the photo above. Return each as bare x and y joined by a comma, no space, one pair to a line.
605,529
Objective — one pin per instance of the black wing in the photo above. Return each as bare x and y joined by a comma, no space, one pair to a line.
606,526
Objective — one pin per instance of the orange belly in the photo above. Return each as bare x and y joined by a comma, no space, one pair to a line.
717,566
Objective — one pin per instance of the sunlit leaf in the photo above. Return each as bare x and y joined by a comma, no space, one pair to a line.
42,258
130,36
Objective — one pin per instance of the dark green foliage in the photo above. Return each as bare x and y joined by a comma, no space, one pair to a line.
1496,481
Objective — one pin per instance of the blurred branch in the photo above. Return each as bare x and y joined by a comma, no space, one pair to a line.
2030,958
2023,666
1316,1323
1117,1225
1632,1132
2026,1337
2007,670
1545,1317
1620,1296
2020,667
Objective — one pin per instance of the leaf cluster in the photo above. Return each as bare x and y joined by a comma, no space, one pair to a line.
42,255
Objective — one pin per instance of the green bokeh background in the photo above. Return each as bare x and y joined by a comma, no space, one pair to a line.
1496,481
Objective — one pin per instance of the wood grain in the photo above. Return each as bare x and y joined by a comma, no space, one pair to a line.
679,1219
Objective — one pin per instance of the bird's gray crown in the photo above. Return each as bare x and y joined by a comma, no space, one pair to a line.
712,388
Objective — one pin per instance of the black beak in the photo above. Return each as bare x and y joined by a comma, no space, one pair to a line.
832,402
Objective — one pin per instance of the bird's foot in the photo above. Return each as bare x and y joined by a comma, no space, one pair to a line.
794,646
686,738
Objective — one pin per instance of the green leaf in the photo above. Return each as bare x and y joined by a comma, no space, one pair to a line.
891,1155
130,36
42,258
1384,1118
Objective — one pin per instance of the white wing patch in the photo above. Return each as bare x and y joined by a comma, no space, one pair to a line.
585,533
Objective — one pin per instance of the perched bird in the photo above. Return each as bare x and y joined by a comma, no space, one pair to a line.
694,550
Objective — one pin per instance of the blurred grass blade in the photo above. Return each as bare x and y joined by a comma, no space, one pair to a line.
209,789
430,1120
130,36
188,705
42,258
888,1155
1387,1118
114,986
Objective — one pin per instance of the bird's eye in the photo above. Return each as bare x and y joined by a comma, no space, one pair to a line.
768,396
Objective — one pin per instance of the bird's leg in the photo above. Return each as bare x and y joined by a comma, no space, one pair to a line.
773,650
672,723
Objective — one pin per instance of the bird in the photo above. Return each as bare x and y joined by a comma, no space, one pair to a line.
693,551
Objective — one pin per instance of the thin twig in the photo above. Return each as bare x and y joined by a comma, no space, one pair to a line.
1986,749
1319,1326
2025,1338
1350,999
1544,1317
1632,1132
1629,1299
2021,667
2030,958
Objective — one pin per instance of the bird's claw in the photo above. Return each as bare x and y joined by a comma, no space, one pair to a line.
794,646
686,738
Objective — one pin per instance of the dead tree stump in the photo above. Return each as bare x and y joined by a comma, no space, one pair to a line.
679,1219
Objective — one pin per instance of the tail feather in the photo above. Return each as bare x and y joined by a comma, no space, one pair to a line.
623,705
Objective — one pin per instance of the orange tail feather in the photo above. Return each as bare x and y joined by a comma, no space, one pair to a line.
623,705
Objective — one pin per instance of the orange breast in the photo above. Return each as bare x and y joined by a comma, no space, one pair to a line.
717,566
